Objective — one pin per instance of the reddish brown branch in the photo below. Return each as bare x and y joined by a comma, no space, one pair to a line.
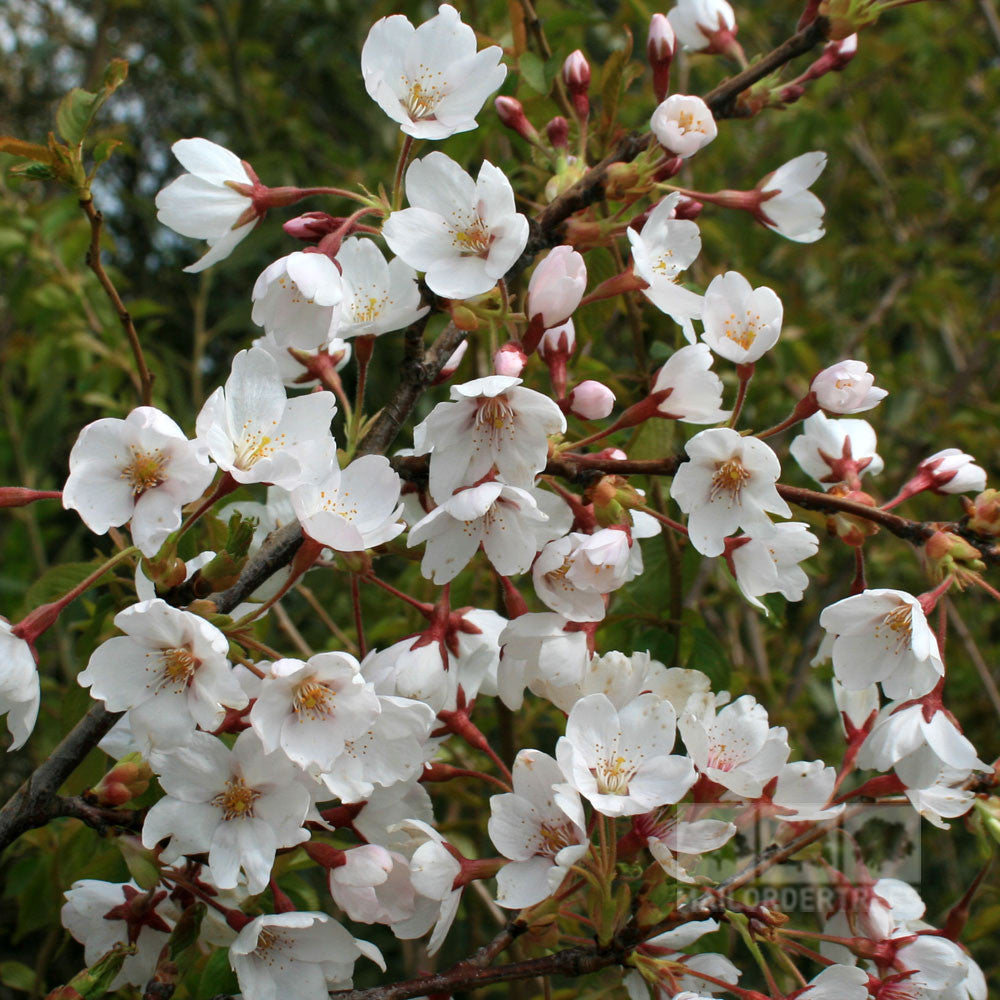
124,317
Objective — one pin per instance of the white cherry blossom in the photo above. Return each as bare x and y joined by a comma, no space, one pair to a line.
297,300
803,790
792,210
297,954
257,434
430,79
489,422
86,914
311,708
695,21
693,391
540,650
141,469
204,203
768,562
464,234
620,760
540,827
354,509
741,322
665,247
727,484
502,518
683,125
952,471
736,747
373,885
20,692
239,805
169,670
882,636
847,387
379,297
836,451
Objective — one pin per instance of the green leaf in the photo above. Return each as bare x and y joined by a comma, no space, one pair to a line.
104,149
217,977
58,580
76,111
709,656
18,976
533,72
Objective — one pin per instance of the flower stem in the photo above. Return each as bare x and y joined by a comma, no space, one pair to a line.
397,184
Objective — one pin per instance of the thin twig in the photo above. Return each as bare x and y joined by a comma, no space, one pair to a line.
94,263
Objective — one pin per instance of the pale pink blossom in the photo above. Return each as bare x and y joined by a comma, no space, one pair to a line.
741,322
686,388
665,247
354,509
727,484
169,670
489,422
464,234
683,125
239,805
540,827
768,562
696,21
141,469
379,297
296,954
792,210
882,636
253,431
847,387
20,692
836,451
620,759
297,300
211,202
556,287
430,78
502,518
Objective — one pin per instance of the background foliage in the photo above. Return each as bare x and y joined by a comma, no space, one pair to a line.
906,279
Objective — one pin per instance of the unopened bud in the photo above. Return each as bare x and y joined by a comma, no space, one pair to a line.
660,47
688,208
569,172
557,286
621,180
310,227
510,360
464,318
576,76
511,112
557,132
950,555
127,780
451,365
848,528
984,513
590,400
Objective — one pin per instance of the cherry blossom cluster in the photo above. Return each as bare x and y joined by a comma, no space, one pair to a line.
332,761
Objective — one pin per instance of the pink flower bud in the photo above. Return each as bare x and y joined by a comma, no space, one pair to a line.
660,47
558,340
688,208
557,286
613,454
952,471
591,400
127,780
557,131
847,387
511,113
451,365
312,226
510,360
576,76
